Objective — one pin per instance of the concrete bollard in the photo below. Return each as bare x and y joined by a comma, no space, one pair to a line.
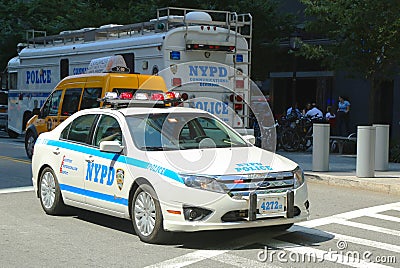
320,151
381,147
365,167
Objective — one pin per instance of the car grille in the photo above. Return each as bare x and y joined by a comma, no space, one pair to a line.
242,185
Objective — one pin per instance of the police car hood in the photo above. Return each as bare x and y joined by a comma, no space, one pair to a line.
221,161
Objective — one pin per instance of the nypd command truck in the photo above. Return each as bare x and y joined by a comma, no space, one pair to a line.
204,53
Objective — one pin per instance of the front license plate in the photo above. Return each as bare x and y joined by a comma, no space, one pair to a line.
271,205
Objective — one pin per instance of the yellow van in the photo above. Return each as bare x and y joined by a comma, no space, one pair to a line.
82,91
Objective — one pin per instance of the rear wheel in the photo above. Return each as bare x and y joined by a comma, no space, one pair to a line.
30,139
147,216
50,194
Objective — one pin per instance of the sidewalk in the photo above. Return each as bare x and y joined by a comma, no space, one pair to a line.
342,172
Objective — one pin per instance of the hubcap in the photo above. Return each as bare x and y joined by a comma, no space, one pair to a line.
48,190
145,213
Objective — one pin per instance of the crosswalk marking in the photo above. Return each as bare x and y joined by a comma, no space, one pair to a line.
225,257
349,239
369,227
384,217
323,255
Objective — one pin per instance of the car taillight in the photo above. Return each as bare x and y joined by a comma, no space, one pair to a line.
238,99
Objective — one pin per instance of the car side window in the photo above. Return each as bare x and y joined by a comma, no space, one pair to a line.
52,104
79,129
108,129
70,105
89,98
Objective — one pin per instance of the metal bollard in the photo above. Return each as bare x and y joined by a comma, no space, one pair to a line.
365,167
320,151
381,147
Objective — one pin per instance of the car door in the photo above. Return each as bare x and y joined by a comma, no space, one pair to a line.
105,171
74,148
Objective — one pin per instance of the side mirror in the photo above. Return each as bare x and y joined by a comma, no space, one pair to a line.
250,139
111,147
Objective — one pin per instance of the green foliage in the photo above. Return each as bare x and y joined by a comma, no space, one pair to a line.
364,33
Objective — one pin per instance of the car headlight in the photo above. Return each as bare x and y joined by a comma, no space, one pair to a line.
203,183
298,175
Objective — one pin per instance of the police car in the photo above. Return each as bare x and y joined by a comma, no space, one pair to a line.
166,169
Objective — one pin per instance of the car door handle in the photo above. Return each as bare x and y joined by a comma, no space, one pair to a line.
89,159
56,151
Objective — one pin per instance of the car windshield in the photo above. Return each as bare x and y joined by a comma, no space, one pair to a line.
180,131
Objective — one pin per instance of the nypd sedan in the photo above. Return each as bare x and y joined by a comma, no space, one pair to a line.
167,170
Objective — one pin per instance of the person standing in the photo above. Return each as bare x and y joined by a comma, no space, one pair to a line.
343,113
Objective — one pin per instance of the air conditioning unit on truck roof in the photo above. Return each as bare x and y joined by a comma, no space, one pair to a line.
201,53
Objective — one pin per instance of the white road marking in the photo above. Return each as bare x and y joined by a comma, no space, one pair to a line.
384,217
350,239
323,255
16,190
221,255
190,258
370,227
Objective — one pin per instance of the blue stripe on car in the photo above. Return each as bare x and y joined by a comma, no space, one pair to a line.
96,195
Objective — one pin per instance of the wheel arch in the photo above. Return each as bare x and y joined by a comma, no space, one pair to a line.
38,177
139,181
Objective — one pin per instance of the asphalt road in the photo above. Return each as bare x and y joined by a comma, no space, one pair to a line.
356,225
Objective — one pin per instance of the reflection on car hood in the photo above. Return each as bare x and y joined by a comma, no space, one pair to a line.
243,160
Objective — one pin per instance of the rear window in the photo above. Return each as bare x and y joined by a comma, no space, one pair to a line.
3,98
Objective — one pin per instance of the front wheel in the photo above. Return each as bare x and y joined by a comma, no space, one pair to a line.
147,216
50,194
290,140
30,139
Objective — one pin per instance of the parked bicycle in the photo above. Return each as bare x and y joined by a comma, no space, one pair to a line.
297,135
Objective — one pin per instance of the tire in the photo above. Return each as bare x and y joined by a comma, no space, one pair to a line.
30,139
290,141
147,217
50,194
12,134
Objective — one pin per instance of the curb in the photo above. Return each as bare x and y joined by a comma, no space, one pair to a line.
369,184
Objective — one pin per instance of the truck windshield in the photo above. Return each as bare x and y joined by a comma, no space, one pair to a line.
180,131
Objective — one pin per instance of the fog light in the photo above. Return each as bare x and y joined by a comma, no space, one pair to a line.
195,213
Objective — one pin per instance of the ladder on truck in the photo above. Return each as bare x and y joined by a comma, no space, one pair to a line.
238,25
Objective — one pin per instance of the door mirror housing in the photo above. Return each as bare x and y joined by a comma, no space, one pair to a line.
250,139
111,147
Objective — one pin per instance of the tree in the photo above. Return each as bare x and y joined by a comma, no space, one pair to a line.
365,41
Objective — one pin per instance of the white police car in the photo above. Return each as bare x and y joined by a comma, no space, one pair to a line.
166,169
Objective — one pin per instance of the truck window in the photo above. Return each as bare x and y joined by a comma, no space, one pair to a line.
51,105
64,68
12,80
71,100
89,98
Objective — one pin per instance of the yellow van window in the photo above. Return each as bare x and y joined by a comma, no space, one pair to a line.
51,105
71,100
89,98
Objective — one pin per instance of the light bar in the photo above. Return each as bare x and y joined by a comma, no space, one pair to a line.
210,47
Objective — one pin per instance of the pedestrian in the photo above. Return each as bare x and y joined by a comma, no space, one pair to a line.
343,113
330,117
293,112
314,113
306,108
